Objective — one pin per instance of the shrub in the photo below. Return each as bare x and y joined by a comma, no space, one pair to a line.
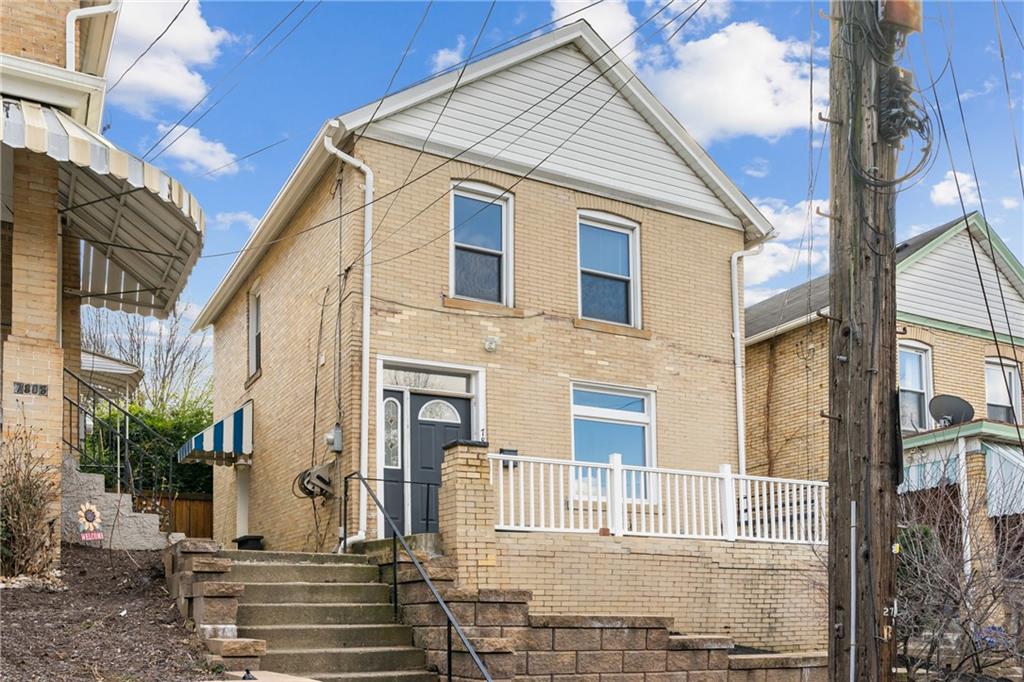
29,506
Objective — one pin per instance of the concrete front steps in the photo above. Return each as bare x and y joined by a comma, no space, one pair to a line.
323,617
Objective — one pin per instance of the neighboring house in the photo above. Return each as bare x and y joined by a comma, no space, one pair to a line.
581,316
83,222
946,346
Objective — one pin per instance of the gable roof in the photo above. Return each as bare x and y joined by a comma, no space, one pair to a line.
798,306
738,211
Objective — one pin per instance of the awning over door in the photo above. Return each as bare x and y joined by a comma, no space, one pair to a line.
1004,465
226,442
142,230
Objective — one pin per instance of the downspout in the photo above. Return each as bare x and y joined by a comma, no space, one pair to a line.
737,356
69,31
364,373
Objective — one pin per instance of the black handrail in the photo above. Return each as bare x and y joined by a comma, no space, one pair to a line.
396,537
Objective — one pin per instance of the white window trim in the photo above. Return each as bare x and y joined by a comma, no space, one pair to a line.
602,414
610,221
926,368
1015,400
254,364
505,199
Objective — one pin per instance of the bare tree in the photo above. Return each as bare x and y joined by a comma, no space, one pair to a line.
176,362
960,569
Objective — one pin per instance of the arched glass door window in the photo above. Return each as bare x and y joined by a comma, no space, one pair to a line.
439,411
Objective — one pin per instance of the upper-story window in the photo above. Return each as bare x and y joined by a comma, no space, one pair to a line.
915,385
255,346
481,262
1002,390
609,268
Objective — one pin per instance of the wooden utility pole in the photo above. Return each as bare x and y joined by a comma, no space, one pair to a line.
863,413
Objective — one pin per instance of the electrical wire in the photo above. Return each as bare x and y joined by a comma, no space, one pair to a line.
1009,96
243,158
149,47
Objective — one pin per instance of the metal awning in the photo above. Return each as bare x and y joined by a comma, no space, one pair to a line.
142,230
114,378
226,442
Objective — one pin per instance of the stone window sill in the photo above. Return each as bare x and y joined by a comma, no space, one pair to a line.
252,379
480,306
609,328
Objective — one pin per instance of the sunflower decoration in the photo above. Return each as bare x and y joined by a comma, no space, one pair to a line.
88,518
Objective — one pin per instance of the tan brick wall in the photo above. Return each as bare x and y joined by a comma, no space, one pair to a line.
34,29
686,310
761,594
787,437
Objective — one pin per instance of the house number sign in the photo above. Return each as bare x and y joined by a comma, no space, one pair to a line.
22,388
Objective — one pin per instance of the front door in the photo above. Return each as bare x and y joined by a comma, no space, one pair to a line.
435,422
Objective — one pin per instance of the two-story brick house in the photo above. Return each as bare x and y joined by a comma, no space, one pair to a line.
546,262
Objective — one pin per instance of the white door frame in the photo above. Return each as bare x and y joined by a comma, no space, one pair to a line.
477,408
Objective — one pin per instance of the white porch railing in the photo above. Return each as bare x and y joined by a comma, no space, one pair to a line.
565,496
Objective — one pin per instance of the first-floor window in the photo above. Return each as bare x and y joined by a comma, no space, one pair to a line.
606,421
1002,390
915,379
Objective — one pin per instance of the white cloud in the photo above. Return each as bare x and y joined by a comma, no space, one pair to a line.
196,154
778,258
988,86
169,73
741,80
449,56
611,19
757,168
944,192
790,222
1009,203
225,220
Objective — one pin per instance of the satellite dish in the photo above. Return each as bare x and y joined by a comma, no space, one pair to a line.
949,410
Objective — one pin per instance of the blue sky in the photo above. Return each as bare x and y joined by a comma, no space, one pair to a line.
737,77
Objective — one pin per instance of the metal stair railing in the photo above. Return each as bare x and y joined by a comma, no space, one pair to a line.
396,539
110,440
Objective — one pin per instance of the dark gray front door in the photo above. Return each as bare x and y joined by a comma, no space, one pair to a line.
435,421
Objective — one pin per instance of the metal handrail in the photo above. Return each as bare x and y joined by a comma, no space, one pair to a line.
396,537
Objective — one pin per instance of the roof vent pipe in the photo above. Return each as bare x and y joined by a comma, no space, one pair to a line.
83,13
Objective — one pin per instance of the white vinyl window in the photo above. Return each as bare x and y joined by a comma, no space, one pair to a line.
609,268
255,321
1002,390
612,420
915,365
481,243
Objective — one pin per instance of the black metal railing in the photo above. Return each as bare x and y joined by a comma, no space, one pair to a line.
396,539
107,439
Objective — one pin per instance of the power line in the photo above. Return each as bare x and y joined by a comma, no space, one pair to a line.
225,77
1009,16
150,46
455,157
1009,96
247,156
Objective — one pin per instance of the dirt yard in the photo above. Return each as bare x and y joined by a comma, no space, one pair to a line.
115,623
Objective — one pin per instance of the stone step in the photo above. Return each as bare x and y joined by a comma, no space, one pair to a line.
344,660
273,572
314,614
332,636
257,556
387,676
314,593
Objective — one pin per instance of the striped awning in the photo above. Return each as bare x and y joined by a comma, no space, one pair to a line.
142,231
226,442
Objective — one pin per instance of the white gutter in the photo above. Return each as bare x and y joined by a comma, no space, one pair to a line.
69,31
737,356
364,372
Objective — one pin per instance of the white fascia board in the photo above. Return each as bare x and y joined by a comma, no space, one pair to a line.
80,94
785,327
276,217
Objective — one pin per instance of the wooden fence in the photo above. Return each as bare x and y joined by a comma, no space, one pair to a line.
192,513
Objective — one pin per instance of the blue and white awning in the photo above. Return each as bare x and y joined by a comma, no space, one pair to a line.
226,442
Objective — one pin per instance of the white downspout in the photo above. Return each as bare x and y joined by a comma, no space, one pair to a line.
737,356
69,31
364,372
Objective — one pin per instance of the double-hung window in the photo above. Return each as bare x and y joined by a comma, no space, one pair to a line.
1002,390
609,269
606,421
255,349
915,385
481,262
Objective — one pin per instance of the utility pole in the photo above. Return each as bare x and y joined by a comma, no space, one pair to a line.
866,104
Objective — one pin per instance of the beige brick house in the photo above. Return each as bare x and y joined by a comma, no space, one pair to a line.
946,347
545,264
83,222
